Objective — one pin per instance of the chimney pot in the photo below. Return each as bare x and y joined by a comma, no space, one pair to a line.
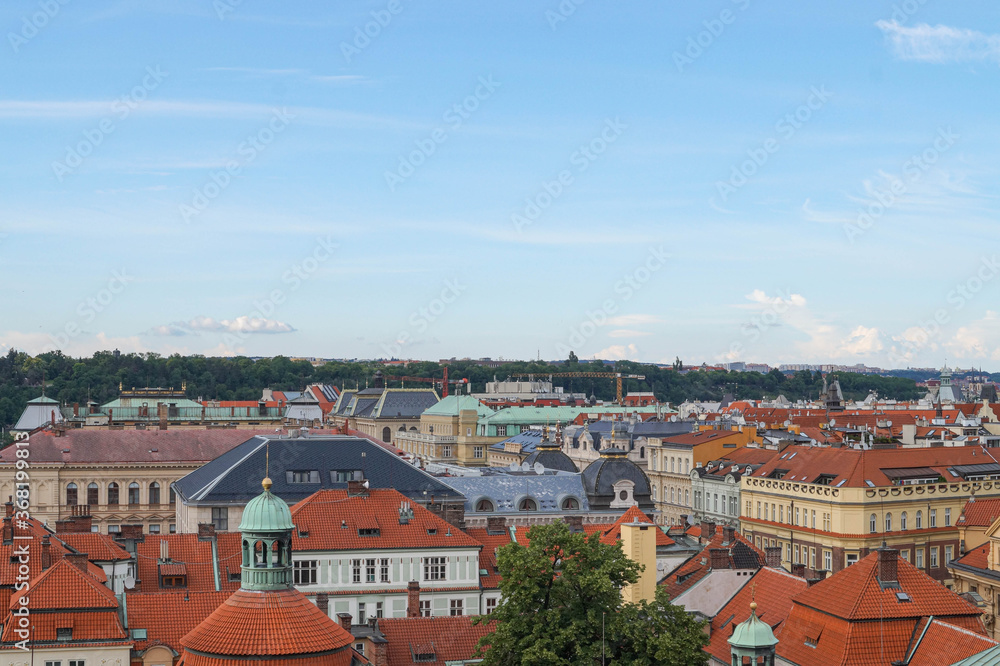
323,603
707,529
345,620
728,534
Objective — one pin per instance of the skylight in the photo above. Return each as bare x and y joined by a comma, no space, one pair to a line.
903,597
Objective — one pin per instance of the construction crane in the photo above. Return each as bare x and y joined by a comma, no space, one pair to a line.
444,382
603,375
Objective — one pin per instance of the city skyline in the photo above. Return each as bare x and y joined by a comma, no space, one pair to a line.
735,182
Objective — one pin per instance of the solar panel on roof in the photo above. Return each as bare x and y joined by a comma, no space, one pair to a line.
842,482
869,483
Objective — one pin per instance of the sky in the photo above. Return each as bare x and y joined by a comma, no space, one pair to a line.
733,180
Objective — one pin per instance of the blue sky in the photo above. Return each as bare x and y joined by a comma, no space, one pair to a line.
733,180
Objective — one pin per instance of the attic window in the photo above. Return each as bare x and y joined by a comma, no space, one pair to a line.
432,530
302,476
825,479
368,531
139,634
903,597
64,633
778,474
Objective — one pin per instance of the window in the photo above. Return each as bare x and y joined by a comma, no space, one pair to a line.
949,553
888,522
758,510
933,518
920,520
173,528
384,570
828,560
356,571
788,552
362,616
765,511
53,663
652,493
112,493
478,452
154,529
114,529
873,523
77,662
370,570
501,431
826,522
302,476
919,561
947,517
812,558
434,568
905,554
64,633
154,493
491,605
527,504
796,515
220,518
572,504
902,521
672,495
92,491
732,506
852,558
456,607
797,560
484,506
360,648
781,513
748,508
425,608
304,571
672,469
445,451
934,557
813,519
368,531
345,475
133,493
173,496
686,498
71,494
715,503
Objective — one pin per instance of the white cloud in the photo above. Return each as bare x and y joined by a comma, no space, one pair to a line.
940,44
242,324
618,353
977,340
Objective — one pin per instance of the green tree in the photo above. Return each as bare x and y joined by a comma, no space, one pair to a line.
562,605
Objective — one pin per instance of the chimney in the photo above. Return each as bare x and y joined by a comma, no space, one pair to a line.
575,523
46,553
357,489
497,525
799,570
815,578
684,520
9,507
728,534
8,531
719,558
79,560
206,531
413,599
887,565
707,529
773,556
164,550
323,603
345,621
381,650
162,410
133,532
76,409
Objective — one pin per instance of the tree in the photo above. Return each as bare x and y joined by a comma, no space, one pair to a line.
561,604
573,359
678,365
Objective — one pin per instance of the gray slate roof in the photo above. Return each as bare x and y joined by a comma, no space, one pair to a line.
507,490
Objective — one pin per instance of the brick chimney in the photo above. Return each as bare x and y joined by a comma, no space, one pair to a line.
162,413
79,523
575,523
323,603
46,553
719,558
413,599
728,534
497,525
357,489
887,565
8,530
79,560
380,648
707,530
345,620
773,556
9,507
206,531
131,532
799,570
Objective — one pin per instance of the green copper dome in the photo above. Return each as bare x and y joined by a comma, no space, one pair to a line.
754,633
266,513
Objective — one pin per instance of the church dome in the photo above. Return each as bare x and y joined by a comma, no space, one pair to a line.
600,477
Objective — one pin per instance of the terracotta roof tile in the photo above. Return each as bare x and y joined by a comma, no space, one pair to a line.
98,547
449,638
614,533
168,616
977,557
945,643
333,521
980,512
64,583
742,555
195,555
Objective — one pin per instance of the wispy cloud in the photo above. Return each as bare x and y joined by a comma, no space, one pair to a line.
263,72
242,324
940,44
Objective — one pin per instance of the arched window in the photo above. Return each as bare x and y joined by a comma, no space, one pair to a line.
133,493
873,523
485,506
686,498
572,504
92,491
652,493
888,522
413,428
920,520
112,493
173,495
154,493
672,496
71,494
672,461
387,434
642,451
402,428
527,504
902,521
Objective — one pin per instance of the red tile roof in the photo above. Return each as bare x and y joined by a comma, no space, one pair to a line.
168,616
772,590
980,512
488,555
125,446
333,520
278,623
686,575
449,638
195,555
941,638
613,534
98,547
977,557
64,581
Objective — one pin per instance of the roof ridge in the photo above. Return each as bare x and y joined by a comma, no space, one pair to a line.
207,488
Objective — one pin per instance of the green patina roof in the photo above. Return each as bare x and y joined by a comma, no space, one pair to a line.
536,415
754,633
42,400
132,403
266,513
454,403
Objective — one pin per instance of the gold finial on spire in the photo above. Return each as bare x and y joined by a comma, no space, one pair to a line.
267,468
753,597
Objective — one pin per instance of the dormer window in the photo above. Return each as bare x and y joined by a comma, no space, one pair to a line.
368,532
302,476
64,634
